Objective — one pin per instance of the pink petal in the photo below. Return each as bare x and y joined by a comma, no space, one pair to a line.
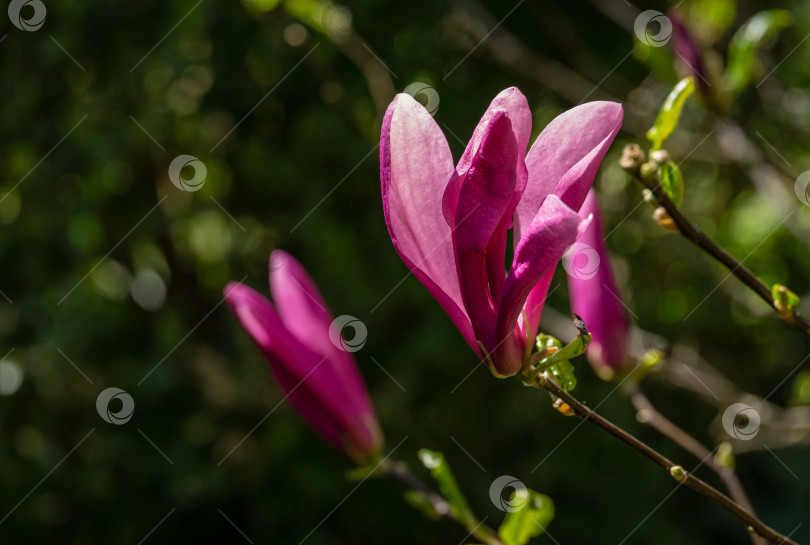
566,156
555,227
594,297
484,201
517,108
304,313
311,381
415,168
300,305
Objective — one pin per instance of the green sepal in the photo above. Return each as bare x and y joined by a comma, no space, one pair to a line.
531,520
671,179
669,113
558,363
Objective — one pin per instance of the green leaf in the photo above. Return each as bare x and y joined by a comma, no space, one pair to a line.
670,111
440,469
671,179
529,521
742,58
558,364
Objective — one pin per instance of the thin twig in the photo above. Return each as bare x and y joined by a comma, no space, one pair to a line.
681,475
692,233
649,415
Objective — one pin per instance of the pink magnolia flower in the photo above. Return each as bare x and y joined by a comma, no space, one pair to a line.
319,377
688,53
595,298
449,223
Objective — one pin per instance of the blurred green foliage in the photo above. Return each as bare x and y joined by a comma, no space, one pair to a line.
113,276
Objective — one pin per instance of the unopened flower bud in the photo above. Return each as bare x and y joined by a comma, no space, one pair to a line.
677,473
649,198
563,407
632,157
648,170
659,156
662,218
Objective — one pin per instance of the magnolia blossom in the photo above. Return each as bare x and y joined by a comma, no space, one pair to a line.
688,54
318,376
595,298
449,222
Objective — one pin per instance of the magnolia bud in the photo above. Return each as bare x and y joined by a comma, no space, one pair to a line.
662,218
659,156
632,157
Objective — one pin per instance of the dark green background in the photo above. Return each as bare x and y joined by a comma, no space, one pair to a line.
292,177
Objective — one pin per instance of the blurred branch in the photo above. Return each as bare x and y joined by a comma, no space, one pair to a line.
692,233
649,415
676,471
780,427
473,24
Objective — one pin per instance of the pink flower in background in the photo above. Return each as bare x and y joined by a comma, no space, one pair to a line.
595,298
687,53
449,223
319,376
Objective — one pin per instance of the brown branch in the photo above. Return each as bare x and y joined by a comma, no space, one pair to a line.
677,472
649,415
692,233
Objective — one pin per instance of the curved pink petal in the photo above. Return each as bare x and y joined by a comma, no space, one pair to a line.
517,107
555,227
311,381
415,168
595,298
304,313
300,305
566,156
486,194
